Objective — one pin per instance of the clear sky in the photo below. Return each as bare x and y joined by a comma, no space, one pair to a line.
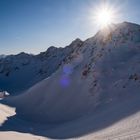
34,25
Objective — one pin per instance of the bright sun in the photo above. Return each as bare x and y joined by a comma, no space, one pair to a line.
104,17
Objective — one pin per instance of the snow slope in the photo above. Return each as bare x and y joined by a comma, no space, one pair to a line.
124,129
19,136
5,112
94,92
104,69
21,71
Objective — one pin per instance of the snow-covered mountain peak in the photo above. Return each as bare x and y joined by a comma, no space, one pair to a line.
51,49
117,34
23,54
86,74
76,41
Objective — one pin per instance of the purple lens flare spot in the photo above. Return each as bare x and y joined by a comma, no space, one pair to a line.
65,81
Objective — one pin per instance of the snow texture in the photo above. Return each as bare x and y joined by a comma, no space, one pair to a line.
94,91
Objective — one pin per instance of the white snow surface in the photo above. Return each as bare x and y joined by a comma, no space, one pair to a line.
93,74
95,92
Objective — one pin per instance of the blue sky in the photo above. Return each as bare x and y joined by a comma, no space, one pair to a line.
34,25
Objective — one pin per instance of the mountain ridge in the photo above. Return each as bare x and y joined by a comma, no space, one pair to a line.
96,70
93,94
27,69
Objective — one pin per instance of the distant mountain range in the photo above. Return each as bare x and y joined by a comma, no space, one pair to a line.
21,71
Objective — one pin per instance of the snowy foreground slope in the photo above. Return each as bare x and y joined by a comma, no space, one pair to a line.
95,92
126,129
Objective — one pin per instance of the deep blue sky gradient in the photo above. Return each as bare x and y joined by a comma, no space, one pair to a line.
34,25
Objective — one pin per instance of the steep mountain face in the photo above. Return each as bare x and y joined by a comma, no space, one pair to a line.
104,70
21,71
